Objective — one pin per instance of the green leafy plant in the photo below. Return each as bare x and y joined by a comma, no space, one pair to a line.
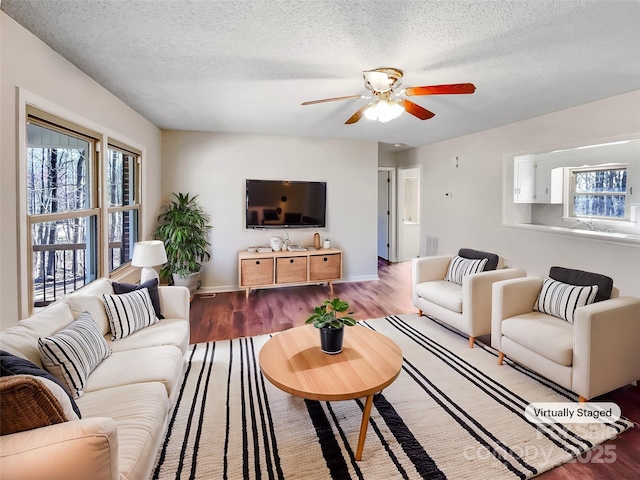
331,315
184,229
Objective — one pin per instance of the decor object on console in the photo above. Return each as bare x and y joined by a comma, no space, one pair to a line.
330,319
184,229
147,255
595,353
465,306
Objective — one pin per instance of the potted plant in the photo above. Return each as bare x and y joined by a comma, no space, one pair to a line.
330,318
184,229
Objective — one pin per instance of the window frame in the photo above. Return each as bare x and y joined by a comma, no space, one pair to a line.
32,105
572,191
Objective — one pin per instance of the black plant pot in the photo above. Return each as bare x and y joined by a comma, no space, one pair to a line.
331,340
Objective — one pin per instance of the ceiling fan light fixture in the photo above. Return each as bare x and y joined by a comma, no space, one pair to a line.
383,110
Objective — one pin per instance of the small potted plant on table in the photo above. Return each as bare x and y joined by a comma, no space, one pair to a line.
330,318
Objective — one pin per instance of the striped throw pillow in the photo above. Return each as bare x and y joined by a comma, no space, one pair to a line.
74,352
460,266
129,312
561,299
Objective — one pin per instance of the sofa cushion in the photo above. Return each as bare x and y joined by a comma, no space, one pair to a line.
150,285
22,339
27,403
543,334
154,364
129,312
583,279
441,292
139,411
492,258
89,299
13,365
459,267
74,352
561,299
170,331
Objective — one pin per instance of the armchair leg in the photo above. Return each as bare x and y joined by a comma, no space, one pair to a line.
581,399
500,358
419,312
471,340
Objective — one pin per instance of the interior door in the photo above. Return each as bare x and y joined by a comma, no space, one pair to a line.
384,197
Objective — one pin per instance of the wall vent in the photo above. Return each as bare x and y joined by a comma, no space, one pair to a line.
432,245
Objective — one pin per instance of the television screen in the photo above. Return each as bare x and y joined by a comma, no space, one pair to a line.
286,204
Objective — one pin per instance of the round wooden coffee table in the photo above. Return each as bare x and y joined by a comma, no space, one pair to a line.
293,361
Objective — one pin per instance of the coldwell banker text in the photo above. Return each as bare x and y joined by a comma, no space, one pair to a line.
588,412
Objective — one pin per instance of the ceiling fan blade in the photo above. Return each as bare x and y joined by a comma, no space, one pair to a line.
357,116
312,102
416,110
454,88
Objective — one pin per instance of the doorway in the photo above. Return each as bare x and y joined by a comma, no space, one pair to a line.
409,209
386,213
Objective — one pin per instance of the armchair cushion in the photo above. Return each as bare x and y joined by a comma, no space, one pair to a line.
561,299
459,267
492,258
543,334
583,279
441,292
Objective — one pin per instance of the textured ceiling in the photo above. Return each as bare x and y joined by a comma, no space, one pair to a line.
245,66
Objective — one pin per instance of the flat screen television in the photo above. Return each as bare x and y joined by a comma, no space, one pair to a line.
286,204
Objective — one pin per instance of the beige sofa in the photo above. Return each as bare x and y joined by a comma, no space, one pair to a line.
466,307
595,355
126,400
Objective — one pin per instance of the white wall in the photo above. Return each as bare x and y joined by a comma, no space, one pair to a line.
216,165
472,217
28,63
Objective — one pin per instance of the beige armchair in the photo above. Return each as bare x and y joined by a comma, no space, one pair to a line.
465,306
596,354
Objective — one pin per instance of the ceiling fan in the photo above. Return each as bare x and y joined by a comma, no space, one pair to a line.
390,102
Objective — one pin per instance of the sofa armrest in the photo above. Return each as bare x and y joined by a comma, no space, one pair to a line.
510,298
476,298
74,450
605,346
174,301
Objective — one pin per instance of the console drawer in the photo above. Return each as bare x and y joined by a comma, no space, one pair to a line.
258,271
291,269
325,267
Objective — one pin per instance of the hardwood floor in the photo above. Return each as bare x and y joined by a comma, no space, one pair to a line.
232,315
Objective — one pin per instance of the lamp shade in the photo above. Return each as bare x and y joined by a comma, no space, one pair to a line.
149,254
383,110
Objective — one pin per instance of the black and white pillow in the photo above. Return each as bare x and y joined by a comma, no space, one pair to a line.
561,299
129,312
74,352
459,267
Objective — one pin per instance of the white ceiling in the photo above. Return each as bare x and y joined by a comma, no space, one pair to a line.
245,66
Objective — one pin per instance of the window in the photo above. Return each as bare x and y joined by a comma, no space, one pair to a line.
122,205
599,192
69,224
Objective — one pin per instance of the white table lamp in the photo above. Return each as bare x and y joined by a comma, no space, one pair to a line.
148,255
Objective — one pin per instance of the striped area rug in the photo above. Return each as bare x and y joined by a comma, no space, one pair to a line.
452,413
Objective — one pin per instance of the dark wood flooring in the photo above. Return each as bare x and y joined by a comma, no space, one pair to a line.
232,315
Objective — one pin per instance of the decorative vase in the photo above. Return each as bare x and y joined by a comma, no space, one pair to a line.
316,241
331,340
326,244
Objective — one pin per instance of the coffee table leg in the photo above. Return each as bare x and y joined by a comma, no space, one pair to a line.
363,426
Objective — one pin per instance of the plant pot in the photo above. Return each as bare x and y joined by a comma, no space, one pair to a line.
331,340
191,281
